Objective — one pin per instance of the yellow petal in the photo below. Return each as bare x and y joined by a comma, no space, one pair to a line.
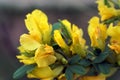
45,60
28,42
78,42
114,32
58,38
41,73
44,56
33,20
21,49
26,60
37,22
67,26
57,71
97,32
105,11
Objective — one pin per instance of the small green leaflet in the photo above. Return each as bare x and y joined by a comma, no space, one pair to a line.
56,26
74,59
84,62
104,68
107,3
68,74
102,56
78,69
20,72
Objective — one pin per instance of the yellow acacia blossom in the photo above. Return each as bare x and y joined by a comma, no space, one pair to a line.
26,60
114,33
42,73
78,42
34,47
105,11
58,37
67,26
37,24
97,33
60,41
44,56
45,73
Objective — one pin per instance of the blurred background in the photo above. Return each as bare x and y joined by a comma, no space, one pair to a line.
13,13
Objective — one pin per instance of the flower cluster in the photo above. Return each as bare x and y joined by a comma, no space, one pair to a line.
59,51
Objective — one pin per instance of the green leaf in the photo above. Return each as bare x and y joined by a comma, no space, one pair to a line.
23,70
74,59
104,68
90,56
107,3
102,56
112,58
78,69
96,68
111,20
68,74
29,54
56,26
84,62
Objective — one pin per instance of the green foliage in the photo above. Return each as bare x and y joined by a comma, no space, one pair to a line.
20,72
74,59
56,26
78,69
65,33
92,72
112,20
29,54
102,56
74,69
90,56
104,68
68,74
106,2
84,62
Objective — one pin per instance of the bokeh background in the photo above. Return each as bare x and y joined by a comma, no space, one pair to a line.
13,13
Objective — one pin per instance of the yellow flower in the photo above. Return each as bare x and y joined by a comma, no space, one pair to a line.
114,33
37,24
60,41
42,73
67,26
39,29
26,60
45,73
28,42
37,39
78,43
97,33
44,56
105,11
